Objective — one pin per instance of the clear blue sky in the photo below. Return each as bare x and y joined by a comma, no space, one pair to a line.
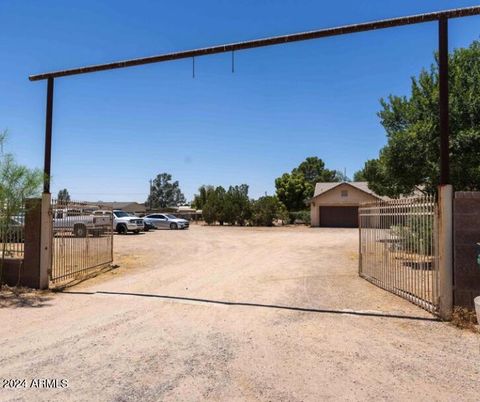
113,131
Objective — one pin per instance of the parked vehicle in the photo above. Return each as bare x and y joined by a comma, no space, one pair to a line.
161,221
79,222
123,222
146,226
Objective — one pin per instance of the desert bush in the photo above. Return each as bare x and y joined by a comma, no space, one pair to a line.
416,234
266,210
214,208
303,216
237,205
465,318
234,207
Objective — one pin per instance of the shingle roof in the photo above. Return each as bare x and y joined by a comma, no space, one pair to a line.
321,188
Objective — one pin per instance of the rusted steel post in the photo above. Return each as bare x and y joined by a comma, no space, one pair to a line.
443,100
48,136
276,40
46,240
445,251
445,190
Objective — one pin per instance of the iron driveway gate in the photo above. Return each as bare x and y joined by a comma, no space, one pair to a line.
398,248
81,239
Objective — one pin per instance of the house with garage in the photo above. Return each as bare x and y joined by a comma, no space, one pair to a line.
336,204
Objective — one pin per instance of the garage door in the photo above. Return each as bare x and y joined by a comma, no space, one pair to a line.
339,217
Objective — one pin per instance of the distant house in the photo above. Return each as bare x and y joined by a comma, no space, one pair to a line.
336,204
128,206
187,212
182,211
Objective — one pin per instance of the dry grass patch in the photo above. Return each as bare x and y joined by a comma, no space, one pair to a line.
465,319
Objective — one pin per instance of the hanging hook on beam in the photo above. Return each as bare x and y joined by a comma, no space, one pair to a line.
233,61
193,67
275,40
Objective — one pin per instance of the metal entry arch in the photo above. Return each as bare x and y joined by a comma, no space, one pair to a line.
441,17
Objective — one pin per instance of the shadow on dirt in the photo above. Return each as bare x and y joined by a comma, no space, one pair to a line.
271,306
18,297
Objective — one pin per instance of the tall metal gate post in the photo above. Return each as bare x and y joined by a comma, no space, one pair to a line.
46,234
445,250
45,241
443,101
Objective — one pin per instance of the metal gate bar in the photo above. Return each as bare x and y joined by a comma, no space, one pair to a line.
82,240
12,233
398,248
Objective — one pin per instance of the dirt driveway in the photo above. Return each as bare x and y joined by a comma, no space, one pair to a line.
235,314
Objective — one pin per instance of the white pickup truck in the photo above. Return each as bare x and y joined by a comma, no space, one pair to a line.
80,223
123,222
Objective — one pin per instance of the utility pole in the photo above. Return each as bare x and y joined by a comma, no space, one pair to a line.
150,195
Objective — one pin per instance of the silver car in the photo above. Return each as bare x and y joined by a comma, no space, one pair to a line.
167,221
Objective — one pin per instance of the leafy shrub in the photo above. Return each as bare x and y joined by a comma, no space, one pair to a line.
265,210
235,208
237,205
213,209
416,234
302,216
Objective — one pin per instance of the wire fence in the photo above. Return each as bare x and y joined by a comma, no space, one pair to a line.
398,248
82,241
12,234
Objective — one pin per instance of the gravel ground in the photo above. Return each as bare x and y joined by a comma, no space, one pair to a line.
229,313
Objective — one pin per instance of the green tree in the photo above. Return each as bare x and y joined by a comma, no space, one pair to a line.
266,210
359,175
165,193
237,207
411,156
63,196
219,205
17,183
282,213
314,171
200,199
208,212
214,209
294,188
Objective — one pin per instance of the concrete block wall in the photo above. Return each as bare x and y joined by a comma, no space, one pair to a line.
27,272
466,236
12,271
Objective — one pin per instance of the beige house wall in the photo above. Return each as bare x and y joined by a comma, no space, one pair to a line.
333,198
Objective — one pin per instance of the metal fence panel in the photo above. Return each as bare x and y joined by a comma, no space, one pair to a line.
82,240
12,234
398,248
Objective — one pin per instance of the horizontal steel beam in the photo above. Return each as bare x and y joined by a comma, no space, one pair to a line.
276,40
